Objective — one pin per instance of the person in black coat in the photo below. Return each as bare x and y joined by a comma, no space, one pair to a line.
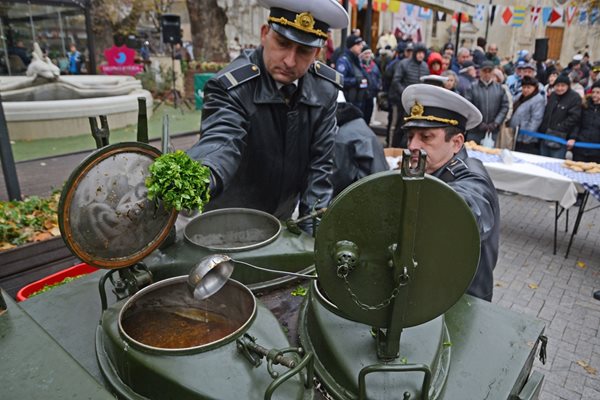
437,121
561,117
589,128
357,151
268,122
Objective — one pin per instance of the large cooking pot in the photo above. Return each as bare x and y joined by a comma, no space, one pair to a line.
162,343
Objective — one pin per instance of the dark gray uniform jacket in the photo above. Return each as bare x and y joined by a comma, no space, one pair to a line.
263,154
358,152
468,177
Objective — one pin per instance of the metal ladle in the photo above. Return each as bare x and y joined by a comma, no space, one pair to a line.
212,272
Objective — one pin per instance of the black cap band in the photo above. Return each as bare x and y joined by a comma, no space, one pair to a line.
428,116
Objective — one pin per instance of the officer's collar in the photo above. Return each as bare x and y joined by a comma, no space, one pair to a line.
268,91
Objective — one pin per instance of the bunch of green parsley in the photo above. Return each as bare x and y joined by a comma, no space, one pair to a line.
179,181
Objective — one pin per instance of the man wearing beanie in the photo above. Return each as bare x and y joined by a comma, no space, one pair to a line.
407,72
356,84
561,117
589,127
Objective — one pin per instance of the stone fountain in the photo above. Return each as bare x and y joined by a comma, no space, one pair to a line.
44,104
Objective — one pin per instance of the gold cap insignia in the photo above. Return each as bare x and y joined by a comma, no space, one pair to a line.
417,110
304,22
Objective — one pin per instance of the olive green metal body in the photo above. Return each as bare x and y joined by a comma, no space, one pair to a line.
489,353
279,248
218,370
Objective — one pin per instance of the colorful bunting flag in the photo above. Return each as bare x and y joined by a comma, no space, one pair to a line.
546,11
594,16
394,6
361,4
480,13
440,15
425,13
534,17
492,14
380,5
507,15
583,16
409,9
518,16
571,11
556,16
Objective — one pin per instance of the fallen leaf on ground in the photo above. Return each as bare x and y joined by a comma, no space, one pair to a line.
499,284
42,236
588,368
581,264
533,286
6,246
55,231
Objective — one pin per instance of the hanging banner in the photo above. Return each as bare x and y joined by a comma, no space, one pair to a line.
425,13
583,16
556,17
479,13
518,16
492,14
534,17
440,15
394,6
507,15
546,11
594,16
570,14
409,9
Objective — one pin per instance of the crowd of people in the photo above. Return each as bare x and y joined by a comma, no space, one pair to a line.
522,93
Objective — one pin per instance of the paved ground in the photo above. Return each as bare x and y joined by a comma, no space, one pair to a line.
529,279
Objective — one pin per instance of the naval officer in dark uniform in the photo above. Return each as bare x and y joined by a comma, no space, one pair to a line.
436,122
268,121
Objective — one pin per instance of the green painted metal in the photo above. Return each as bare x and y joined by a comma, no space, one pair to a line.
287,252
379,215
33,365
218,373
344,349
490,353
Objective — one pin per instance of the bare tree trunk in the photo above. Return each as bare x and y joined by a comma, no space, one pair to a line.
102,28
208,22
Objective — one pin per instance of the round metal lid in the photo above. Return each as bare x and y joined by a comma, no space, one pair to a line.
371,221
105,216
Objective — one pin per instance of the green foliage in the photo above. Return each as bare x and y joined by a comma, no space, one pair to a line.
22,221
52,286
179,181
299,291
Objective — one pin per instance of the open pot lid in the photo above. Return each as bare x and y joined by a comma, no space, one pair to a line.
105,216
370,222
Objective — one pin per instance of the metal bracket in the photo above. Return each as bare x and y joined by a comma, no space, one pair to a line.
413,173
346,256
362,376
100,134
3,306
129,282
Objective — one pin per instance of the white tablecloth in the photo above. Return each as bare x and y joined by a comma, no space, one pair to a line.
525,178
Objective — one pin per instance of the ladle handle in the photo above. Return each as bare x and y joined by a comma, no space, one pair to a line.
274,271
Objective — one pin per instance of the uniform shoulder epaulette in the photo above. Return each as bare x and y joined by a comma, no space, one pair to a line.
239,75
456,165
326,72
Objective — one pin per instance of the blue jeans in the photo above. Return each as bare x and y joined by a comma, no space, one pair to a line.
555,153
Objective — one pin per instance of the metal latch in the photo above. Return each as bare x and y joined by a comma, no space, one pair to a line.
544,343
